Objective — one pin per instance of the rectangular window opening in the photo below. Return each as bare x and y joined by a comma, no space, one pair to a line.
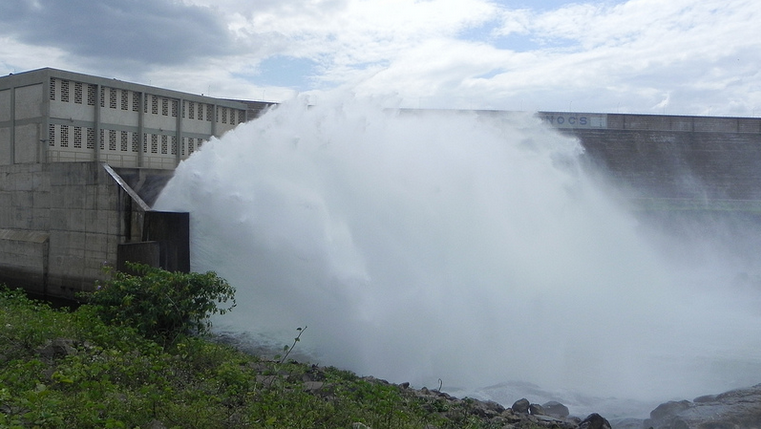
78,92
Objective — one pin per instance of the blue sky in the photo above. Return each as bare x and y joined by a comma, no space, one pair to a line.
639,56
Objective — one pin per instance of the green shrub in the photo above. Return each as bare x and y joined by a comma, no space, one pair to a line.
159,304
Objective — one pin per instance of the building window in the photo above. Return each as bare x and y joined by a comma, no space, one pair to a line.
155,105
224,115
90,138
174,145
102,139
78,137
175,103
200,111
78,92
112,98
102,96
164,107
64,136
154,143
52,88
111,139
135,142
91,94
51,135
209,112
163,145
241,116
145,142
136,101
124,141
191,110
125,99
65,91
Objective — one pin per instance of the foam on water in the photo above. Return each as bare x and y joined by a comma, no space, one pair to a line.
420,246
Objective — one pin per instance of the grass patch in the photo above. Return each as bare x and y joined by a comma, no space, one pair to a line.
64,368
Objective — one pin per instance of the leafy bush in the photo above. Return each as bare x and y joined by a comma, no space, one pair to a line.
159,304
112,377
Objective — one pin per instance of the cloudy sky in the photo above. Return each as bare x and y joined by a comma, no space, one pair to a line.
639,56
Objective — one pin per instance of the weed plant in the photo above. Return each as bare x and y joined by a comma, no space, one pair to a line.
138,368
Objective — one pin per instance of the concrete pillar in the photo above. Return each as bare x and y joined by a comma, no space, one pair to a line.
178,131
96,123
45,124
141,131
214,122
13,126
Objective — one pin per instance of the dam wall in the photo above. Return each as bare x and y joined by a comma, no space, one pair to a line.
673,162
62,223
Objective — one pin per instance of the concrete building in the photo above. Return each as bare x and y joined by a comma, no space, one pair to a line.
50,115
82,158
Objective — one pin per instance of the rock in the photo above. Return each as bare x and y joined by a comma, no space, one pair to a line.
486,409
521,406
670,408
313,386
705,398
552,421
536,410
740,408
60,347
555,409
594,421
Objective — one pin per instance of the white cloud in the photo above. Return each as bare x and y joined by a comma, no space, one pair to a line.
594,55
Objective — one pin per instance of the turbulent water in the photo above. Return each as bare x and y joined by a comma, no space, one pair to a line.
467,250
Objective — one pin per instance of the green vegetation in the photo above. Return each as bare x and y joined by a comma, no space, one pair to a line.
159,304
126,360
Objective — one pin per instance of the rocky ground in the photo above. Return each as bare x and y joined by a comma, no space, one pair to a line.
735,409
739,408
522,414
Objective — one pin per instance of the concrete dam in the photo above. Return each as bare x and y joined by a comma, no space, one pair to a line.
677,161
82,159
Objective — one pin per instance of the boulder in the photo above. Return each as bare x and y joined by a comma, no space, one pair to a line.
58,348
670,408
740,408
594,421
536,410
521,406
555,409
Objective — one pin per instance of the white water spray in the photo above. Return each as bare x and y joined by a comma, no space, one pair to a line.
420,246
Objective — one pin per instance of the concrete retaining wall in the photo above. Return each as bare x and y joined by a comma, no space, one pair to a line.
61,223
